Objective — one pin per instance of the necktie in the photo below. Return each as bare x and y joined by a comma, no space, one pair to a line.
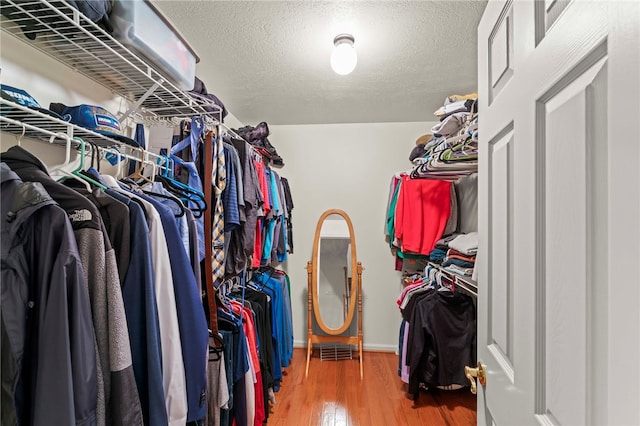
217,226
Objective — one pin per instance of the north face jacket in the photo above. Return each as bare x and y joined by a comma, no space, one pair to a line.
47,349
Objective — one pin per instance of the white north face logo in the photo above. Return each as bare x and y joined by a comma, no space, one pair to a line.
80,215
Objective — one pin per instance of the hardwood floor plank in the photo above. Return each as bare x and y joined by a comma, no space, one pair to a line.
334,395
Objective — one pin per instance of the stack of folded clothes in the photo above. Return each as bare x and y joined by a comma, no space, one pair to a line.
456,253
462,254
459,263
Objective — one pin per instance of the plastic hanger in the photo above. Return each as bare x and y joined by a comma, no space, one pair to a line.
168,167
168,197
19,138
95,157
75,173
67,155
218,346
186,193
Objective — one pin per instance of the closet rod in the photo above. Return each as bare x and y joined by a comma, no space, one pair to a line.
144,155
227,129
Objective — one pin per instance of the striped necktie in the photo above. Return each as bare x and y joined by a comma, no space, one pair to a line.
217,226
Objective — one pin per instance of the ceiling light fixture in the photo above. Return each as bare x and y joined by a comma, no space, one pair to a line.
344,57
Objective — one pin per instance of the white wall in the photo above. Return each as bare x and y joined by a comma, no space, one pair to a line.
348,167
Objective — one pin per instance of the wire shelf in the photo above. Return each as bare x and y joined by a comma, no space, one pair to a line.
24,122
465,283
63,33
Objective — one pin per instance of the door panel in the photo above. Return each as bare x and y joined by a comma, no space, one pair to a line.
500,292
558,211
547,12
568,118
501,52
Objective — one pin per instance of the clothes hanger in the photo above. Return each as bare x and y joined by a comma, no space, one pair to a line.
137,175
75,173
218,346
19,138
168,197
67,155
168,165
78,171
113,151
185,193
95,156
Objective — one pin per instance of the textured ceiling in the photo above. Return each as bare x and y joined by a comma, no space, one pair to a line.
269,60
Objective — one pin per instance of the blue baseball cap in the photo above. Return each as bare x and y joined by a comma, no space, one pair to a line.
97,119
21,97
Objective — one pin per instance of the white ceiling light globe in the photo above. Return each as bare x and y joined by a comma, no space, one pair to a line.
344,57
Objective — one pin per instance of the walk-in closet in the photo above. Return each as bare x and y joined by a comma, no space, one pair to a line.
354,213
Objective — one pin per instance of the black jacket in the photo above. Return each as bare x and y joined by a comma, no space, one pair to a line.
47,333
441,340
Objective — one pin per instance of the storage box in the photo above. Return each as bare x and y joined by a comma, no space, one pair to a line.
141,27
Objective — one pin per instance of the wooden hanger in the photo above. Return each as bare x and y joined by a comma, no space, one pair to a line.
137,175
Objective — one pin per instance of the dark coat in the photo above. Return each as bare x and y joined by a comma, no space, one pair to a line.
48,340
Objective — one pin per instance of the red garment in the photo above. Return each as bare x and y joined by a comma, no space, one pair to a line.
422,213
266,207
264,186
398,263
454,254
257,246
250,331
261,415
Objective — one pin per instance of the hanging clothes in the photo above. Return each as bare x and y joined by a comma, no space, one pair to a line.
190,320
172,362
422,212
437,334
101,274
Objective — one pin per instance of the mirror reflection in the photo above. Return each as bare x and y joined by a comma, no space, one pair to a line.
334,271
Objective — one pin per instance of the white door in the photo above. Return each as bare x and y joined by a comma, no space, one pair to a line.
559,212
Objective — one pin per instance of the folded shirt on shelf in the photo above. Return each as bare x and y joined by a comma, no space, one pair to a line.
443,242
467,272
451,253
465,243
437,255
451,261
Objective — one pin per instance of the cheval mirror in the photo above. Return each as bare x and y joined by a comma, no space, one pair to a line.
332,287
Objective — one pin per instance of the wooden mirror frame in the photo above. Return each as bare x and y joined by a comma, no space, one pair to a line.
333,334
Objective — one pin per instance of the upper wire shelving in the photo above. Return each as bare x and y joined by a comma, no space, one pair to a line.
63,33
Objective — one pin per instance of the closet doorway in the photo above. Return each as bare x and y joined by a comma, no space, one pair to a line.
558,217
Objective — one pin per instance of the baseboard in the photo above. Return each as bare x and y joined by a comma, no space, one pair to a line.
370,347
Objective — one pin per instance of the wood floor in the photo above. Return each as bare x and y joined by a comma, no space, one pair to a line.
333,394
